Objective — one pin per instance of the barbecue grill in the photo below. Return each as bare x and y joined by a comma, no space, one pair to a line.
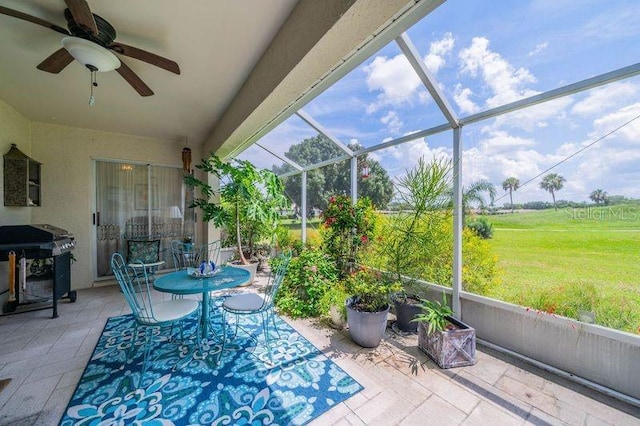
38,242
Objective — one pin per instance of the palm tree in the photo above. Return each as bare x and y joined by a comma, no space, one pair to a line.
511,184
553,182
599,196
473,194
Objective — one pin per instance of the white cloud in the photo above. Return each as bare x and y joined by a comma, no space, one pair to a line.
610,164
496,167
462,98
392,121
605,98
539,48
535,117
502,142
435,59
400,158
610,122
505,82
393,78
396,80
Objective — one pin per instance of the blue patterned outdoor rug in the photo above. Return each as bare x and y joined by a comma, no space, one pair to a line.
242,389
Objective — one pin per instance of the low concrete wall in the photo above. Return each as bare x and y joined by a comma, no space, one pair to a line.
604,356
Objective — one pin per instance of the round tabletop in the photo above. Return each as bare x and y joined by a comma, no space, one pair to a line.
145,265
182,283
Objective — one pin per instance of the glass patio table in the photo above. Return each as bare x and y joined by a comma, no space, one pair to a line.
181,283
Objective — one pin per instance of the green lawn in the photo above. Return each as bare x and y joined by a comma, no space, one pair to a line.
570,260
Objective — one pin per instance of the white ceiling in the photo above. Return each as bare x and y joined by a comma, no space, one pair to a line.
216,44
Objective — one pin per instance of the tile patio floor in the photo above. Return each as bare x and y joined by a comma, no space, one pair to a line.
44,359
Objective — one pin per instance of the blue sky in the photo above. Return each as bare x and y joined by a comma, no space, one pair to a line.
485,54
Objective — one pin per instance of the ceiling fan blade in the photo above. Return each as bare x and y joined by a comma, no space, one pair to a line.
56,62
148,57
82,15
21,15
133,79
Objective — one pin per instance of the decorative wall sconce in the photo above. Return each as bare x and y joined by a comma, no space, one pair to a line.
186,159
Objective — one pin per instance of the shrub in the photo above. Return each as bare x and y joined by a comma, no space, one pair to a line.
283,238
430,257
481,227
308,278
347,228
480,273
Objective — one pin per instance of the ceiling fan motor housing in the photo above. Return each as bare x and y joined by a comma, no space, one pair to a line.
106,32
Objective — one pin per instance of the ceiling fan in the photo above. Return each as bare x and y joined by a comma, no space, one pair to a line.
90,40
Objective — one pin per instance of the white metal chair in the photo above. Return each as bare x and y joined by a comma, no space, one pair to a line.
188,255
254,304
136,290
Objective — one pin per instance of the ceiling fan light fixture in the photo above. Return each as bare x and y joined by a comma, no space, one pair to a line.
91,54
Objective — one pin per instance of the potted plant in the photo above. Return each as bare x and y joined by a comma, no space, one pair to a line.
447,341
252,196
333,303
408,238
407,307
368,308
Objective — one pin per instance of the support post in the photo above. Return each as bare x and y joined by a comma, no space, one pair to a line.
457,222
354,180
303,207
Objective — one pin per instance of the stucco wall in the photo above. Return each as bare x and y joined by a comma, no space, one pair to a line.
14,128
68,185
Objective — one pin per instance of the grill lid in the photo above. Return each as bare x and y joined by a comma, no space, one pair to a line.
11,234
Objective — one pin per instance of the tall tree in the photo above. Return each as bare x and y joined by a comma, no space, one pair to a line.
553,183
335,178
511,184
599,196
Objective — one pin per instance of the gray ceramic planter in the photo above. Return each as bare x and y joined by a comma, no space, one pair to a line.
366,328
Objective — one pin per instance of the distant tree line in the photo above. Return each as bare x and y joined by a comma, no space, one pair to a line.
542,205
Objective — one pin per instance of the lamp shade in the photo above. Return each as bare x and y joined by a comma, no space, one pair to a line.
175,213
90,53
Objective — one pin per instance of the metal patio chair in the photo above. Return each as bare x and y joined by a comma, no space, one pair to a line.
248,304
148,315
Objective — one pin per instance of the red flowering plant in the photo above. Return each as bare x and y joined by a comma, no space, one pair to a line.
347,229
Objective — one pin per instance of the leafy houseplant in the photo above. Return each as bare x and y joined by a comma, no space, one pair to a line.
368,308
371,290
256,196
447,341
434,314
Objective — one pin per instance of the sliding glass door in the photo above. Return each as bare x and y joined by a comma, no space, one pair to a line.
139,202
